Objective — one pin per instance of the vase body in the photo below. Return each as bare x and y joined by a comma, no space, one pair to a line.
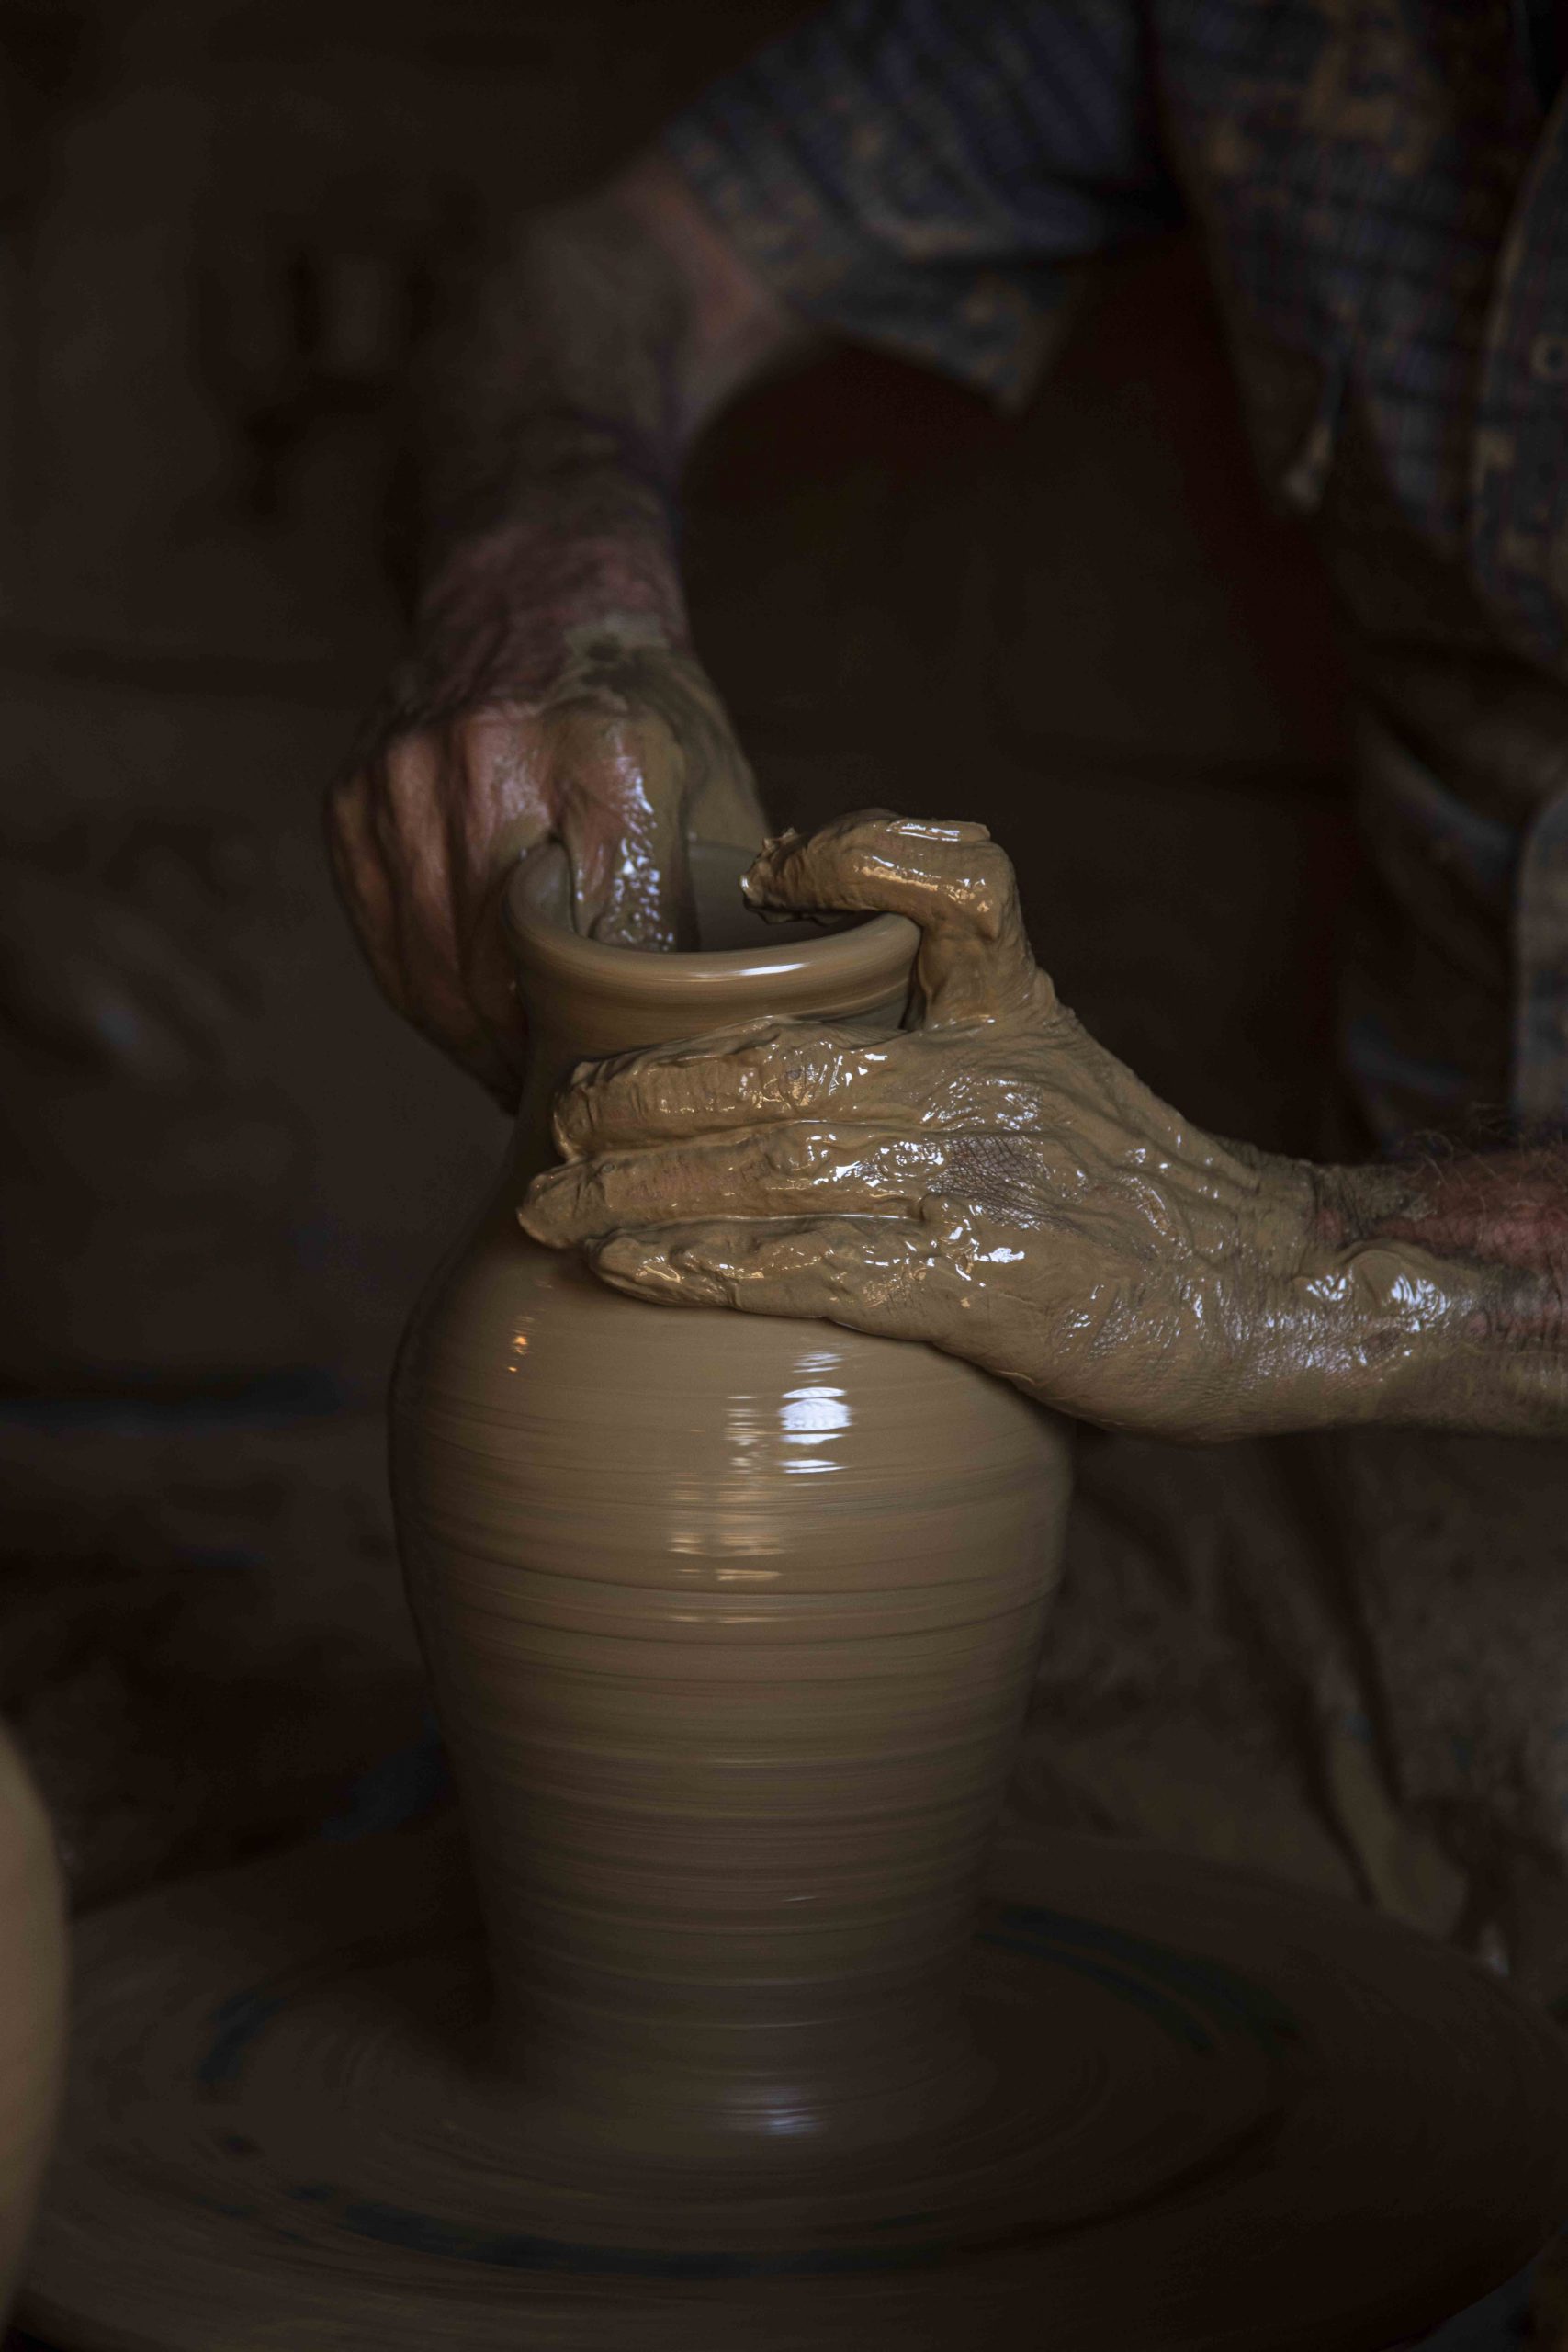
32,2007
731,1621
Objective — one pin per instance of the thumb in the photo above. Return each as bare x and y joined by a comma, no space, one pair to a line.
975,959
618,787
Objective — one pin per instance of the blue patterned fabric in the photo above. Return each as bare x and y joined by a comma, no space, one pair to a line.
927,175
1384,207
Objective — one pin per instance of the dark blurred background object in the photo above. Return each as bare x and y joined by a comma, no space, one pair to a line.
229,1167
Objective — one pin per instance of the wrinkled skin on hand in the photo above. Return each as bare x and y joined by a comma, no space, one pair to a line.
620,751
989,1181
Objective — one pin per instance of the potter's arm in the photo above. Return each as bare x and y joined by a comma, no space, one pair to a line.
1475,1251
550,686
995,1183
600,338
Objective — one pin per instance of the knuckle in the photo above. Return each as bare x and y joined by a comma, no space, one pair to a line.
794,1152
983,874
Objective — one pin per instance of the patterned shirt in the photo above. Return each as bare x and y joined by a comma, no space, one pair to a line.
1382,190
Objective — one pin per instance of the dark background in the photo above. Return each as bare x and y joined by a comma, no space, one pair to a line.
227,1168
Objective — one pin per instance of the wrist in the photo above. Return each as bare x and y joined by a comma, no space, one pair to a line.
1417,1331
509,613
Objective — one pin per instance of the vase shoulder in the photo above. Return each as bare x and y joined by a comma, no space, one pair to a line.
588,1434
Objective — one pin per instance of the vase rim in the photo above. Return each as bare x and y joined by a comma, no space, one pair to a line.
869,952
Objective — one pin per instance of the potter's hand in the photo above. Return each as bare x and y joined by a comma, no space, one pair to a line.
993,1181
619,750
552,688
989,1181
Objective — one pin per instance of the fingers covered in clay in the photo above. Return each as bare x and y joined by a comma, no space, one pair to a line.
773,1071
892,1277
958,884
798,1167
617,748
765,1071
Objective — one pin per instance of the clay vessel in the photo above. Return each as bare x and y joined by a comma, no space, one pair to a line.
731,1622
32,2006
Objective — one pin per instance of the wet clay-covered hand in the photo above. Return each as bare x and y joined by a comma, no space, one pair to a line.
550,685
621,751
992,1181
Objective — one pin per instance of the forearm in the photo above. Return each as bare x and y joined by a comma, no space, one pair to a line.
560,406
1457,1275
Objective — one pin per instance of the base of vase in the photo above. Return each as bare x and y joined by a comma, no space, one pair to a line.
1221,2114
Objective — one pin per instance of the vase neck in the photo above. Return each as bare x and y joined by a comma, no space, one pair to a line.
583,999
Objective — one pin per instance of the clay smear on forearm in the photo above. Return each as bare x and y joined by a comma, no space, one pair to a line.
1498,1217
1484,1240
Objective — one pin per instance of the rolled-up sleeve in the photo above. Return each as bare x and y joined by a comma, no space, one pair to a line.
927,175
